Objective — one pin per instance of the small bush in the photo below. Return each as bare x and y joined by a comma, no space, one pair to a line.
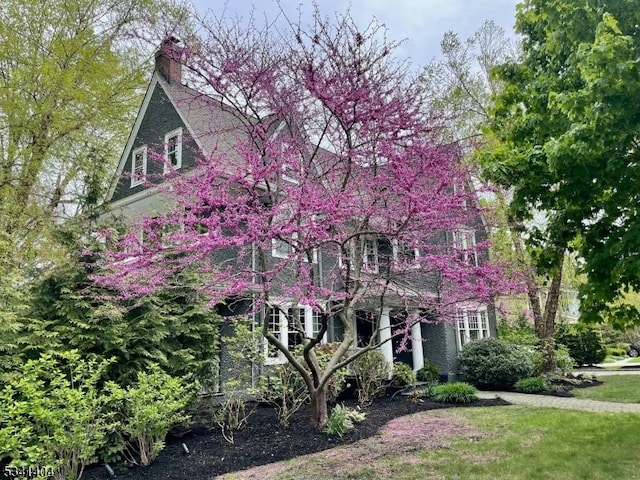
457,392
148,409
53,415
616,352
403,376
429,373
372,373
286,391
429,390
584,344
493,363
531,385
338,381
564,361
342,419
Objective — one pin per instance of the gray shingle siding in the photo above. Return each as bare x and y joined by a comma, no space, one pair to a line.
161,118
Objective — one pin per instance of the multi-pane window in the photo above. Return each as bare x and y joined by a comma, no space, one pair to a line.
370,254
173,150
404,255
472,324
138,166
465,244
290,325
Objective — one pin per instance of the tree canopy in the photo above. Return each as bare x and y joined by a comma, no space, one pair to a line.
71,78
563,135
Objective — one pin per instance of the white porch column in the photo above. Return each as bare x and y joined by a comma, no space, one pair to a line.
385,334
416,345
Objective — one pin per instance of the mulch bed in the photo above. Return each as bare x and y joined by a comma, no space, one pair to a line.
262,441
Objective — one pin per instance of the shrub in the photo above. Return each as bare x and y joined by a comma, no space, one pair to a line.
531,385
286,391
584,344
338,381
564,361
456,392
429,373
54,416
148,409
402,376
493,363
616,351
372,372
343,419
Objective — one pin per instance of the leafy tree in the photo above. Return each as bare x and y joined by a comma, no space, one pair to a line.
71,80
565,139
463,88
355,164
173,327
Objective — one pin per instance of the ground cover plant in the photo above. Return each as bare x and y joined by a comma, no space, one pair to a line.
515,443
614,388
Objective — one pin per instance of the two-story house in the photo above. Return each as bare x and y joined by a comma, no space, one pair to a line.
176,124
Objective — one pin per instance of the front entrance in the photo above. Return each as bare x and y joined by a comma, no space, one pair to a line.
398,319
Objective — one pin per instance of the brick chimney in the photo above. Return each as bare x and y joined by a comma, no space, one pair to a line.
168,60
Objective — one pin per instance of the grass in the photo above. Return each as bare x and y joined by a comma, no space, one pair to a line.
634,360
615,388
514,443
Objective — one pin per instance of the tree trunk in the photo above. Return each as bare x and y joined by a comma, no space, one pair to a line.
319,408
547,328
544,322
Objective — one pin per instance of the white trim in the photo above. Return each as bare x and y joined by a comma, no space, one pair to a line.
155,80
464,240
395,246
283,334
138,179
471,319
178,150
384,335
417,353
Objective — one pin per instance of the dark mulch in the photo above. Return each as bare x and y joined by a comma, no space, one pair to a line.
262,441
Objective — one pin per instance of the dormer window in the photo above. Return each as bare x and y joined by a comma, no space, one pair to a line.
465,243
173,150
138,166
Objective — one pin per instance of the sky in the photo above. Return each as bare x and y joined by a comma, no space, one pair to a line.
420,23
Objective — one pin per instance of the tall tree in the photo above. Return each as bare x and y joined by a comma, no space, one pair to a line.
70,76
463,88
337,194
565,129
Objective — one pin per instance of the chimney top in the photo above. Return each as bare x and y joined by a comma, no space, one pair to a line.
168,60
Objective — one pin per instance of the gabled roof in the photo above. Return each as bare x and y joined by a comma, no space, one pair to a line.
208,122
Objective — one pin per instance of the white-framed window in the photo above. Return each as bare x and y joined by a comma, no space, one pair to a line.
370,254
280,248
404,254
464,241
173,150
282,323
472,323
138,166
283,249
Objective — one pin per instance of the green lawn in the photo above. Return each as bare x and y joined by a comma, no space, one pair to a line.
615,388
513,443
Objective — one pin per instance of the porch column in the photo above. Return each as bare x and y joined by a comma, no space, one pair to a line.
385,334
416,345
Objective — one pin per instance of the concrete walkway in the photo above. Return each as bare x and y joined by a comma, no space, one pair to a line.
567,403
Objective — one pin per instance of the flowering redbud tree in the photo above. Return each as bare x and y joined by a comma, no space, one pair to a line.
329,189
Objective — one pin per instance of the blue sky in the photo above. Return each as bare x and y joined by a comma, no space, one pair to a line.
421,22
